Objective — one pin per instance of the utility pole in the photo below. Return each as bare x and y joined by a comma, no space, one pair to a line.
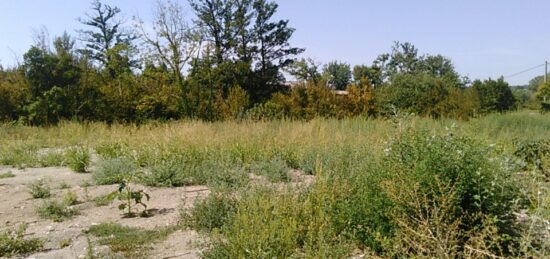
545,71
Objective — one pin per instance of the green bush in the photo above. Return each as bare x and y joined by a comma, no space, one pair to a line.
56,211
12,243
40,190
210,213
458,177
113,171
78,159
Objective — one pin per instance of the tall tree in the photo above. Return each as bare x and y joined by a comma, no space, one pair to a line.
273,37
174,41
107,31
337,74
305,70
216,17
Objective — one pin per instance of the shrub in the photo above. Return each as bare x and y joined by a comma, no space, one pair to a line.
56,211
113,171
209,213
40,190
12,242
430,176
78,159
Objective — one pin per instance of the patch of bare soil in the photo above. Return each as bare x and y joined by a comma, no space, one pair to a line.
17,207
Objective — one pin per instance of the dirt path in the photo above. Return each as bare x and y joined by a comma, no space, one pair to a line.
17,207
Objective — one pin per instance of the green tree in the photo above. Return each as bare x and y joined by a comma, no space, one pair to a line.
305,70
216,18
337,74
494,95
174,42
106,33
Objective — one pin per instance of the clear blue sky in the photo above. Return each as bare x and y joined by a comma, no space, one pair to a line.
484,38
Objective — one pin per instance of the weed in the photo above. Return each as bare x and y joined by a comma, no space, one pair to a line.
52,158
12,242
56,211
40,190
70,198
113,171
209,213
131,242
102,200
6,175
65,243
129,197
78,159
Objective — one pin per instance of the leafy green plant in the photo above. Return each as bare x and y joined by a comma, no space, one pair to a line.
12,242
56,211
129,197
40,190
78,159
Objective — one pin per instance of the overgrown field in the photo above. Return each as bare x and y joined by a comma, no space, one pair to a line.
327,188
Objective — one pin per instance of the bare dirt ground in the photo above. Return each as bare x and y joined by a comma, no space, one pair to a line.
17,207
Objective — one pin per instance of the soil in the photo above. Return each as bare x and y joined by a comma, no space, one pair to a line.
18,207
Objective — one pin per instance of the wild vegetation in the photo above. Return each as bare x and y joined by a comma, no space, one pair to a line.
401,158
409,186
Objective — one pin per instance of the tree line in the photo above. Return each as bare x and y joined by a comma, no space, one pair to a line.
230,62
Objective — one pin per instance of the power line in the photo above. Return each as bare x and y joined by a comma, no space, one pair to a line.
524,71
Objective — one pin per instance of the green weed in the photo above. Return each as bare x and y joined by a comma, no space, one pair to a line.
56,211
78,159
12,243
40,189
130,242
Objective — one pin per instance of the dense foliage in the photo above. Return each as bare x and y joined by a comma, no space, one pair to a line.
228,64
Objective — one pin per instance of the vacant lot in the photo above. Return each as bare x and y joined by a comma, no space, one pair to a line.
324,188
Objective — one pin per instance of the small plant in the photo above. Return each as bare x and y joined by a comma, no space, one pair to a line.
40,190
131,242
128,196
65,243
12,242
6,175
55,158
78,159
56,211
70,198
